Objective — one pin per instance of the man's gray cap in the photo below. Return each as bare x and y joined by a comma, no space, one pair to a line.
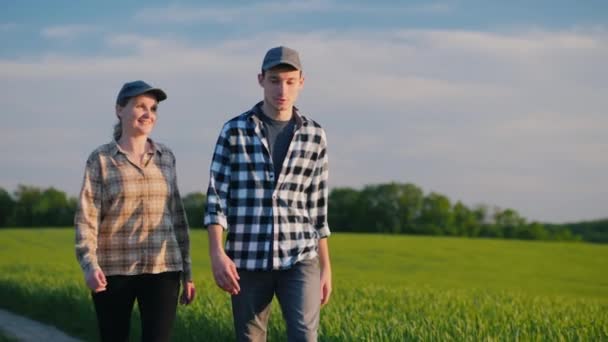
281,55
135,88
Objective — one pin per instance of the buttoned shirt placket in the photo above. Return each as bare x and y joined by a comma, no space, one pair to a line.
144,198
274,253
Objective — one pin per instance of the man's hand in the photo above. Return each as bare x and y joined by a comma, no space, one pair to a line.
225,273
325,271
224,269
188,293
325,285
96,280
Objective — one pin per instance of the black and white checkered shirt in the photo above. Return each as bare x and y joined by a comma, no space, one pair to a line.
269,221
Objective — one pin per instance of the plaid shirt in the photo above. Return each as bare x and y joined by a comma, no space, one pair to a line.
272,223
130,219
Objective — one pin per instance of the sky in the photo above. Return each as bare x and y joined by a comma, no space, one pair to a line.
501,103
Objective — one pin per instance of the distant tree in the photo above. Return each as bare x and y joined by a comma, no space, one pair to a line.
7,206
27,199
490,231
436,215
481,214
465,220
53,209
379,205
534,231
564,234
509,223
194,205
381,208
35,207
410,206
343,210
593,231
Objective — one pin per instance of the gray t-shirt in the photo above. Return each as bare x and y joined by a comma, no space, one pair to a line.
279,135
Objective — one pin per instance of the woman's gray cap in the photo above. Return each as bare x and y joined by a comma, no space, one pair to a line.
281,55
135,88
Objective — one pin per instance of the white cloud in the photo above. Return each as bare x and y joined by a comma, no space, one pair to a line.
176,13
254,11
512,119
67,32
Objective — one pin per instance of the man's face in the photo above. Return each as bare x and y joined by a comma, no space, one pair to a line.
281,87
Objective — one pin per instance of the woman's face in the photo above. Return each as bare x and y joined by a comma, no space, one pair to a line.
138,117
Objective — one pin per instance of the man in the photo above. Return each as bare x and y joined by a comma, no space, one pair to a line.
268,190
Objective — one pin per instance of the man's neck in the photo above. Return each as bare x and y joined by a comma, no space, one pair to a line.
284,115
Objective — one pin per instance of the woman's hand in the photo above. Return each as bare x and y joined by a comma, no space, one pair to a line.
188,293
96,280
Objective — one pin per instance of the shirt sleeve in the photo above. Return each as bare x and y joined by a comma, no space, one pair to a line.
180,226
318,191
219,180
87,218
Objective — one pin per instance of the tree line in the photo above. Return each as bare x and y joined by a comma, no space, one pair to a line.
392,208
31,206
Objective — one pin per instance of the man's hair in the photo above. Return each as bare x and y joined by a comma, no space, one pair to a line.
281,66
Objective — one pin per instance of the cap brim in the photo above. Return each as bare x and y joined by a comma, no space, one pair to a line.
157,92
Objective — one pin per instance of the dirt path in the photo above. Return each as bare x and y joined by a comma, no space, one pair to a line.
25,329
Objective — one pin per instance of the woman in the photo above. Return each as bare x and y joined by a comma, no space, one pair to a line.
132,238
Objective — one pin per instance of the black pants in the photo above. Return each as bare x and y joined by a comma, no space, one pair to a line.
156,296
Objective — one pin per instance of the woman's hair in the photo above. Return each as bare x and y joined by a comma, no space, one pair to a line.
118,126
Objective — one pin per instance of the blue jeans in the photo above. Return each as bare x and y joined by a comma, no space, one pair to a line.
298,290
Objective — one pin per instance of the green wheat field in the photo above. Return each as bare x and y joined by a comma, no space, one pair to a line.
386,288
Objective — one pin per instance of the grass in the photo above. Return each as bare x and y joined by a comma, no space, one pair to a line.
386,288
6,338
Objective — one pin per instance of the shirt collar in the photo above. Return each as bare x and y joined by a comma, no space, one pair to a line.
256,112
156,148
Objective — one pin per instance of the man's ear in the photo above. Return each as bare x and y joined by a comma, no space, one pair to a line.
260,79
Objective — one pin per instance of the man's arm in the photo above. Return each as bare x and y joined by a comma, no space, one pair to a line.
325,264
317,206
224,269
318,192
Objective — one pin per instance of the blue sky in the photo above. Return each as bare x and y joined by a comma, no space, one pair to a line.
502,103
